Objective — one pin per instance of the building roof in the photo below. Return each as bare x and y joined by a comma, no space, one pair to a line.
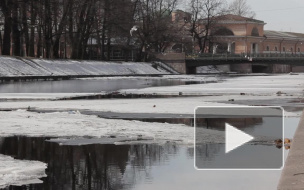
278,34
231,17
235,19
299,35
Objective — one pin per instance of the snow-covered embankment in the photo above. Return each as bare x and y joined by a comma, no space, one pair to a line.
11,66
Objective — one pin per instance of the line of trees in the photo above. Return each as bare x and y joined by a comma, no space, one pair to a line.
44,23
44,28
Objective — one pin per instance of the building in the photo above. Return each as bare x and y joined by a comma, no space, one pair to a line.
240,35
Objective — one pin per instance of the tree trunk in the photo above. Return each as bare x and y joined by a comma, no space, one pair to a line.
6,48
39,43
48,29
31,51
140,53
103,39
78,38
61,27
25,29
1,44
16,26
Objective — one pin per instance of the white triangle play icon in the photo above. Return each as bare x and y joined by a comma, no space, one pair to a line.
235,138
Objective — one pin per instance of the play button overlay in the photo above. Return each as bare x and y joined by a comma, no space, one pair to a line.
235,138
238,138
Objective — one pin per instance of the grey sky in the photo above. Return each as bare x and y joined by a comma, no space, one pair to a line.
280,15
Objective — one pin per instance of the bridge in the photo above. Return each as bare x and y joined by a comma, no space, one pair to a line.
259,62
256,62
264,58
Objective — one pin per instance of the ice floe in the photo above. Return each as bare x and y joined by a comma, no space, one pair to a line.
20,172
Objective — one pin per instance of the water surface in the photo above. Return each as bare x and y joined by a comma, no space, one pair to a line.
146,166
85,86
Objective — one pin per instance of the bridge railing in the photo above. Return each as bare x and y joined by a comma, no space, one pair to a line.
283,54
245,55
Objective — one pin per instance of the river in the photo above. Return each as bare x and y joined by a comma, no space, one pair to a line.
139,166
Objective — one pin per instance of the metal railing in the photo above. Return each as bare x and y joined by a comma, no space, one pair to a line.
245,55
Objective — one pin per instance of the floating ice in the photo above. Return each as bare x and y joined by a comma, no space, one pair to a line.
20,172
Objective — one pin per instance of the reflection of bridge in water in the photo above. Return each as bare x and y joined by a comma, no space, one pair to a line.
243,63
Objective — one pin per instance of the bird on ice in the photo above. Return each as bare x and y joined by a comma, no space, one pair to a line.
135,28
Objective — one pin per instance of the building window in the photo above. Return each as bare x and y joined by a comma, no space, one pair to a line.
255,32
223,32
267,48
276,49
299,50
284,49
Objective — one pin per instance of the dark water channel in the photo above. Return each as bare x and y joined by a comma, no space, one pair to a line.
87,85
145,166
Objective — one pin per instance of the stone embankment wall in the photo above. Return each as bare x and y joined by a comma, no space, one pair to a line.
293,171
175,60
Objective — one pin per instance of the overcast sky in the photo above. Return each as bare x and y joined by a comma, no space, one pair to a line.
280,15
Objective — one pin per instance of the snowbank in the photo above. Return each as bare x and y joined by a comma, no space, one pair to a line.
39,96
105,131
251,85
20,172
194,78
183,105
257,90
71,124
11,66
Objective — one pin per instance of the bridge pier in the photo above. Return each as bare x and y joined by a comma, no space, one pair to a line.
276,68
177,61
297,69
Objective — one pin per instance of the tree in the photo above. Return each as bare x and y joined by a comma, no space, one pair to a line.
153,19
61,29
241,8
6,8
39,27
205,14
81,23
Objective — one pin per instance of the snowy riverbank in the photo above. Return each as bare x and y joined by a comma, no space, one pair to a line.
11,66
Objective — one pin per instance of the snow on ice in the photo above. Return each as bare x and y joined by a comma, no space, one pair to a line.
20,172
65,124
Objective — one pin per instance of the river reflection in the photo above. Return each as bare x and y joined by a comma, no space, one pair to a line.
90,166
258,126
136,167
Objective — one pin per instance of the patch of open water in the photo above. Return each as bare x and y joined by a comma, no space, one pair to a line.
90,85
144,166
